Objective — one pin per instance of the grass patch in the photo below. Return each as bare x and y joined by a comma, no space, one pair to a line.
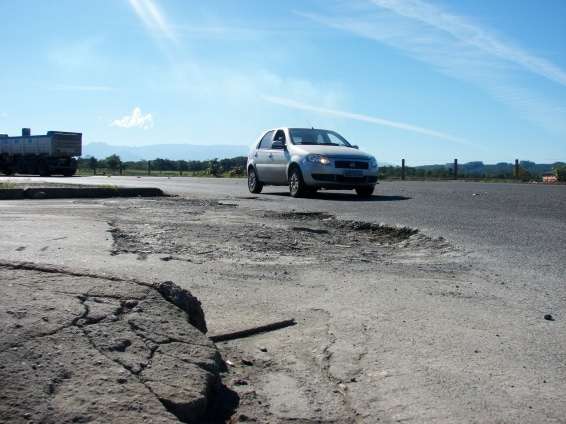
7,185
108,186
154,173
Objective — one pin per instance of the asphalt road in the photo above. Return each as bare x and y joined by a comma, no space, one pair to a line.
520,228
415,332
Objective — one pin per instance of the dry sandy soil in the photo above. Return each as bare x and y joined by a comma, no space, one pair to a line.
392,325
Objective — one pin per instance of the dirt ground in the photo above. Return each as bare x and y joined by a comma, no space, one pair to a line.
392,325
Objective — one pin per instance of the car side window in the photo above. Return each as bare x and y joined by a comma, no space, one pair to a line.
279,136
265,142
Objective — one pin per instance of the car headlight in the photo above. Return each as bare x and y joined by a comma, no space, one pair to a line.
322,160
373,163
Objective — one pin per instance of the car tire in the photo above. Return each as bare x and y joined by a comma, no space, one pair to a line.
254,185
297,186
365,191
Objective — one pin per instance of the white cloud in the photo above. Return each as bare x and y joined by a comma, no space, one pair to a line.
472,35
67,87
153,19
135,120
364,118
460,49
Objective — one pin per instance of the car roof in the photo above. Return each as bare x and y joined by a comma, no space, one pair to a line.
294,128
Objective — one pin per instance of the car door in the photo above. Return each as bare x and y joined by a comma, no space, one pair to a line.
279,158
261,159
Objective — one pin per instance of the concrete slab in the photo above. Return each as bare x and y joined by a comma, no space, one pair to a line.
80,348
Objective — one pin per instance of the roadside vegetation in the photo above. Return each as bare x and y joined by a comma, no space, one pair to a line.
235,167
561,173
7,185
112,165
528,171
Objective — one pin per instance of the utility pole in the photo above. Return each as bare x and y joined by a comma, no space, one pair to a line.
455,169
148,167
516,172
402,169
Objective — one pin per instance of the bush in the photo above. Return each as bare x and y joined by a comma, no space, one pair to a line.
214,168
561,173
113,162
237,172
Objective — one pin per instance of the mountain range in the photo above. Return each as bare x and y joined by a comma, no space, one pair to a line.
164,151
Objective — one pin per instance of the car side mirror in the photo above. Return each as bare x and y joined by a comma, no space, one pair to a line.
278,144
355,147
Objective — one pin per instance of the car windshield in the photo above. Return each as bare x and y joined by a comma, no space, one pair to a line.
304,136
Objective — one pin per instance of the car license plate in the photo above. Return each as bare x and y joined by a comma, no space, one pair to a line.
353,173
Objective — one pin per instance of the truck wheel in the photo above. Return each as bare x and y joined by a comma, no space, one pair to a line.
254,185
297,186
69,172
365,191
43,169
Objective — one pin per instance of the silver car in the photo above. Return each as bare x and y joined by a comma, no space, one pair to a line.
308,159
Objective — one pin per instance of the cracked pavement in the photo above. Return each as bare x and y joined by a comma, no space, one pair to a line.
80,348
392,325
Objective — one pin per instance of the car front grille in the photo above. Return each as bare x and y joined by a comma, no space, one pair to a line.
371,179
351,164
324,177
345,179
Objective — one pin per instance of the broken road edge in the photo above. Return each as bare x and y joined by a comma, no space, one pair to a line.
209,400
95,192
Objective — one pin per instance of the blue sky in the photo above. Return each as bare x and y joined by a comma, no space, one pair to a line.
426,80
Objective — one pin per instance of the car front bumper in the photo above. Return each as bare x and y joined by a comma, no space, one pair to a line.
328,176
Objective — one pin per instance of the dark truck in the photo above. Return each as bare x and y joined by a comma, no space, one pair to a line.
52,153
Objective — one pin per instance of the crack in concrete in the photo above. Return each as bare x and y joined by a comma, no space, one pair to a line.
170,293
48,333
134,374
53,269
138,330
325,368
123,310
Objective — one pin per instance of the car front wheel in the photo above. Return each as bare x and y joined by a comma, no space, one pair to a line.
253,183
365,191
297,186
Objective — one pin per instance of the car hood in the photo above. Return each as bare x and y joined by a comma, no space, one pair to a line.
331,151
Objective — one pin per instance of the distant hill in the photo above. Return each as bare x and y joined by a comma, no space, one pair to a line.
164,151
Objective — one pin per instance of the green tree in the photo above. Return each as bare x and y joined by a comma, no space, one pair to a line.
214,168
182,165
524,174
113,162
92,162
560,173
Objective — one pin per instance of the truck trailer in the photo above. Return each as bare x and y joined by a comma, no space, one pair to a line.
52,153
